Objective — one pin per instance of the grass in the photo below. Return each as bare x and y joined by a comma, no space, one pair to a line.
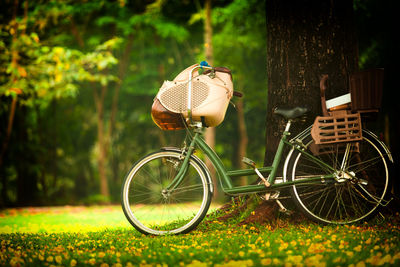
62,219
101,236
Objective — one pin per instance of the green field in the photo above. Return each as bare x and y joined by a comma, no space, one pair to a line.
101,236
62,219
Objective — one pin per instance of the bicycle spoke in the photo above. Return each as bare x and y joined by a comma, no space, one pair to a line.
151,208
187,189
358,188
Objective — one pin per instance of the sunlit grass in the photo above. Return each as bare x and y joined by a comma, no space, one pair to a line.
76,219
161,215
101,236
62,219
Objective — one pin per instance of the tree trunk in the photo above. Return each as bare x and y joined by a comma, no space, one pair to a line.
306,39
14,101
243,138
27,178
102,153
122,70
208,51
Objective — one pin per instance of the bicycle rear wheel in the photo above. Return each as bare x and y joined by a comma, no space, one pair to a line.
360,185
151,209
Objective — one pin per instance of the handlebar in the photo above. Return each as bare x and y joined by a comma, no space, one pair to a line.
237,94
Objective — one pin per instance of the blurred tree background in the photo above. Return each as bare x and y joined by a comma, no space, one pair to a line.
78,78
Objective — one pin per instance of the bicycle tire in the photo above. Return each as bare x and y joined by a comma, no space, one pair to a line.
152,210
356,194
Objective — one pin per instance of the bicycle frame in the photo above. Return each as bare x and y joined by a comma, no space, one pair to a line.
226,176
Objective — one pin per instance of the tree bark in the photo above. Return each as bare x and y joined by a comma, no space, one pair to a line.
105,135
101,136
306,39
208,51
243,138
122,70
14,101
27,178
102,153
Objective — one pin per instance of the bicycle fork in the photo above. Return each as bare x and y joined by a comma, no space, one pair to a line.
183,167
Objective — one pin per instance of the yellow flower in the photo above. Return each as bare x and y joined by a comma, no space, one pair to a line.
49,258
315,261
394,258
386,259
73,262
266,261
16,261
197,263
283,246
276,262
234,263
295,258
59,259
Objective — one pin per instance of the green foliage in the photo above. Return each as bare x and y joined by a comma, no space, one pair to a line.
373,21
240,44
41,70
57,57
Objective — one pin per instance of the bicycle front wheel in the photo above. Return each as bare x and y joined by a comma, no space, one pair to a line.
151,208
359,187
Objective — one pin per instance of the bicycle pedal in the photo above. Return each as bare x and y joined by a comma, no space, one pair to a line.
282,208
286,212
249,162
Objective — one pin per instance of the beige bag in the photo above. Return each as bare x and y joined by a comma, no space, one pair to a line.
211,92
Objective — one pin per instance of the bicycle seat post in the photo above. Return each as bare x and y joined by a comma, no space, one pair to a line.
288,124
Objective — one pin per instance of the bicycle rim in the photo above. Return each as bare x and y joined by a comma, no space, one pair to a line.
153,210
358,190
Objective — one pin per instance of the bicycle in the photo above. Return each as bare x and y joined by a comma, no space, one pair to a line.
170,191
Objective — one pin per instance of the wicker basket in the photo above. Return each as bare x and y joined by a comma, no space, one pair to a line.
165,119
340,127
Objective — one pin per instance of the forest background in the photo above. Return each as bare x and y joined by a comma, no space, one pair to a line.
78,78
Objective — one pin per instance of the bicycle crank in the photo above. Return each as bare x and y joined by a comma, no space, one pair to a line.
252,164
